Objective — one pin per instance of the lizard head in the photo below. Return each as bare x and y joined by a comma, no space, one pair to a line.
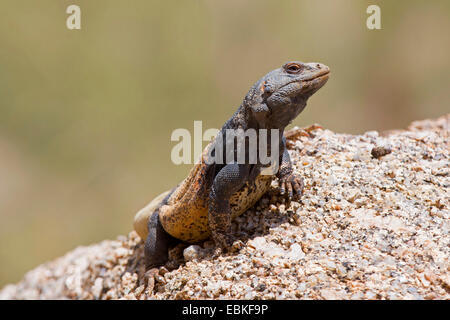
278,97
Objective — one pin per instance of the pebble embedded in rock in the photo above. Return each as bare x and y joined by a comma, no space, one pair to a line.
192,253
378,152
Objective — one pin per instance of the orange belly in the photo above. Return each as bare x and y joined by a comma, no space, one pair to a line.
188,221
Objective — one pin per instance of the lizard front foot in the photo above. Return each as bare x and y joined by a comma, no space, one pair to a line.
293,183
223,242
234,247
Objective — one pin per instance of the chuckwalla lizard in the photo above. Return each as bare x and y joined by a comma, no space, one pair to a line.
204,203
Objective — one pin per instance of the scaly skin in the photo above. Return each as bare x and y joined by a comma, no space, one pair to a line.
204,204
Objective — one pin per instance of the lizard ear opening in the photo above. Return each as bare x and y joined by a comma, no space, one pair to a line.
260,112
260,108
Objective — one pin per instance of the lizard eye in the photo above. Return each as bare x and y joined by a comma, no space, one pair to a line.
293,68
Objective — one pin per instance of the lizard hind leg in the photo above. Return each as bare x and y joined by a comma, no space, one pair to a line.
157,244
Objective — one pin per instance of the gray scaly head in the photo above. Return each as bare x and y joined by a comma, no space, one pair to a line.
279,97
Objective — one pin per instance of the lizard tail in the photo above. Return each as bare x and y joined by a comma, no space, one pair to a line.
141,218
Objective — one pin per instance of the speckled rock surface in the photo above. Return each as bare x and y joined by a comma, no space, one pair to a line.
372,224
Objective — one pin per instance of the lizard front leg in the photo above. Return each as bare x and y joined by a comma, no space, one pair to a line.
228,180
289,180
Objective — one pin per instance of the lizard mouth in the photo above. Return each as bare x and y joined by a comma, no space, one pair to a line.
315,82
322,74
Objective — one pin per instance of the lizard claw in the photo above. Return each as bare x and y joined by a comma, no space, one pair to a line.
229,248
218,251
237,245
224,242
293,184
149,278
282,187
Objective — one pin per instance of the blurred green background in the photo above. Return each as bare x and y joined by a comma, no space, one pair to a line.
86,116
